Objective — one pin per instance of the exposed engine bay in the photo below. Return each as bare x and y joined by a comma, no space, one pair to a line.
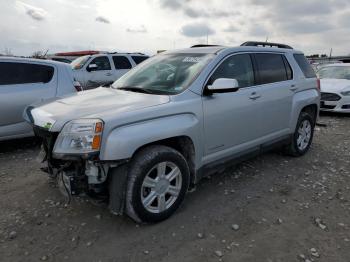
75,175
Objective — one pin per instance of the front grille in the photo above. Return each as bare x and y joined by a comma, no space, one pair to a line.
330,97
345,107
327,106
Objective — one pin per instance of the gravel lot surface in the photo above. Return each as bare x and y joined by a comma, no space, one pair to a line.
271,208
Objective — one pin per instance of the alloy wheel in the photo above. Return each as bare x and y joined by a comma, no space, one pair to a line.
304,135
161,187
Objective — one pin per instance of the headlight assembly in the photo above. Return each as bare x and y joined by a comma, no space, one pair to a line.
345,92
79,137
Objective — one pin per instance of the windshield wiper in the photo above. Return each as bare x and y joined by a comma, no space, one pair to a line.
135,89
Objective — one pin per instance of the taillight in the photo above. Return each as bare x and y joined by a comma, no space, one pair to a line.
318,84
77,86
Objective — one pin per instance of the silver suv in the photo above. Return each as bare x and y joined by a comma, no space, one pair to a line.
160,128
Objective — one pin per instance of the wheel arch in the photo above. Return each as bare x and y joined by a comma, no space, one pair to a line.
183,144
305,101
174,131
312,110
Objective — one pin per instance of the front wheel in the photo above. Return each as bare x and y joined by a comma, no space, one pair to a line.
158,181
303,135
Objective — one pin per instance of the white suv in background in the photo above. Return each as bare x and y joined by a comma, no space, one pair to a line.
103,69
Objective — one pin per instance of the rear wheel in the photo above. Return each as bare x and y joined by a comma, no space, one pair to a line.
303,135
158,181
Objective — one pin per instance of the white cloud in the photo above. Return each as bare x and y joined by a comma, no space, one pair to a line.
231,29
140,29
34,12
30,25
102,19
197,30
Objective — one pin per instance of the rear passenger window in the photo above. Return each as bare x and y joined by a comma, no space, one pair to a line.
14,73
237,67
121,62
102,63
271,68
139,59
305,66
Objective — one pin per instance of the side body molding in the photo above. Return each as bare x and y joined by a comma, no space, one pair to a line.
122,142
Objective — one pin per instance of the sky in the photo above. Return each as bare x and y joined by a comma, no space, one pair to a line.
313,26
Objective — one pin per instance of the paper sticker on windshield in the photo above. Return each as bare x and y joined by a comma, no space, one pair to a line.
190,59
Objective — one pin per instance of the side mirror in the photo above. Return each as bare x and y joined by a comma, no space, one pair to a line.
223,85
91,67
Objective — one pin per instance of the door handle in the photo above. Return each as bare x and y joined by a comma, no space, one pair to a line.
108,74
293,88
254,96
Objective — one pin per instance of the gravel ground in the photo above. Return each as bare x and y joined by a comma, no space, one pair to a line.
272,208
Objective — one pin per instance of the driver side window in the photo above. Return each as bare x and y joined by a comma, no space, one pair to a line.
101,62
237,67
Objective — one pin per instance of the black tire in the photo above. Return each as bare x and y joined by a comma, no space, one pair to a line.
142,163
292,149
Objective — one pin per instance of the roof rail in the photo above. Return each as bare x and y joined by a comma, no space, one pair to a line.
266,44
111,53
200,45
138,53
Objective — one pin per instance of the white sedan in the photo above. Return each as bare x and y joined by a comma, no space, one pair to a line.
335,87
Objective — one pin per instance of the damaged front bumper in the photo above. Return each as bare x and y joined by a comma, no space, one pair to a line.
75,174
84,175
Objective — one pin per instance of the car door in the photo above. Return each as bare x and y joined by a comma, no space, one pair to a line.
99,72
232,120
22,84
276,88
122,65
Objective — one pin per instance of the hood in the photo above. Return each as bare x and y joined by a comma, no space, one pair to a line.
334,85
91,104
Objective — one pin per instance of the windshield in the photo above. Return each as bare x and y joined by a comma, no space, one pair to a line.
335,72
79,62
164,74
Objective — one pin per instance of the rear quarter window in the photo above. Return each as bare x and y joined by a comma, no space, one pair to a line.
305,66
14,73
139,59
